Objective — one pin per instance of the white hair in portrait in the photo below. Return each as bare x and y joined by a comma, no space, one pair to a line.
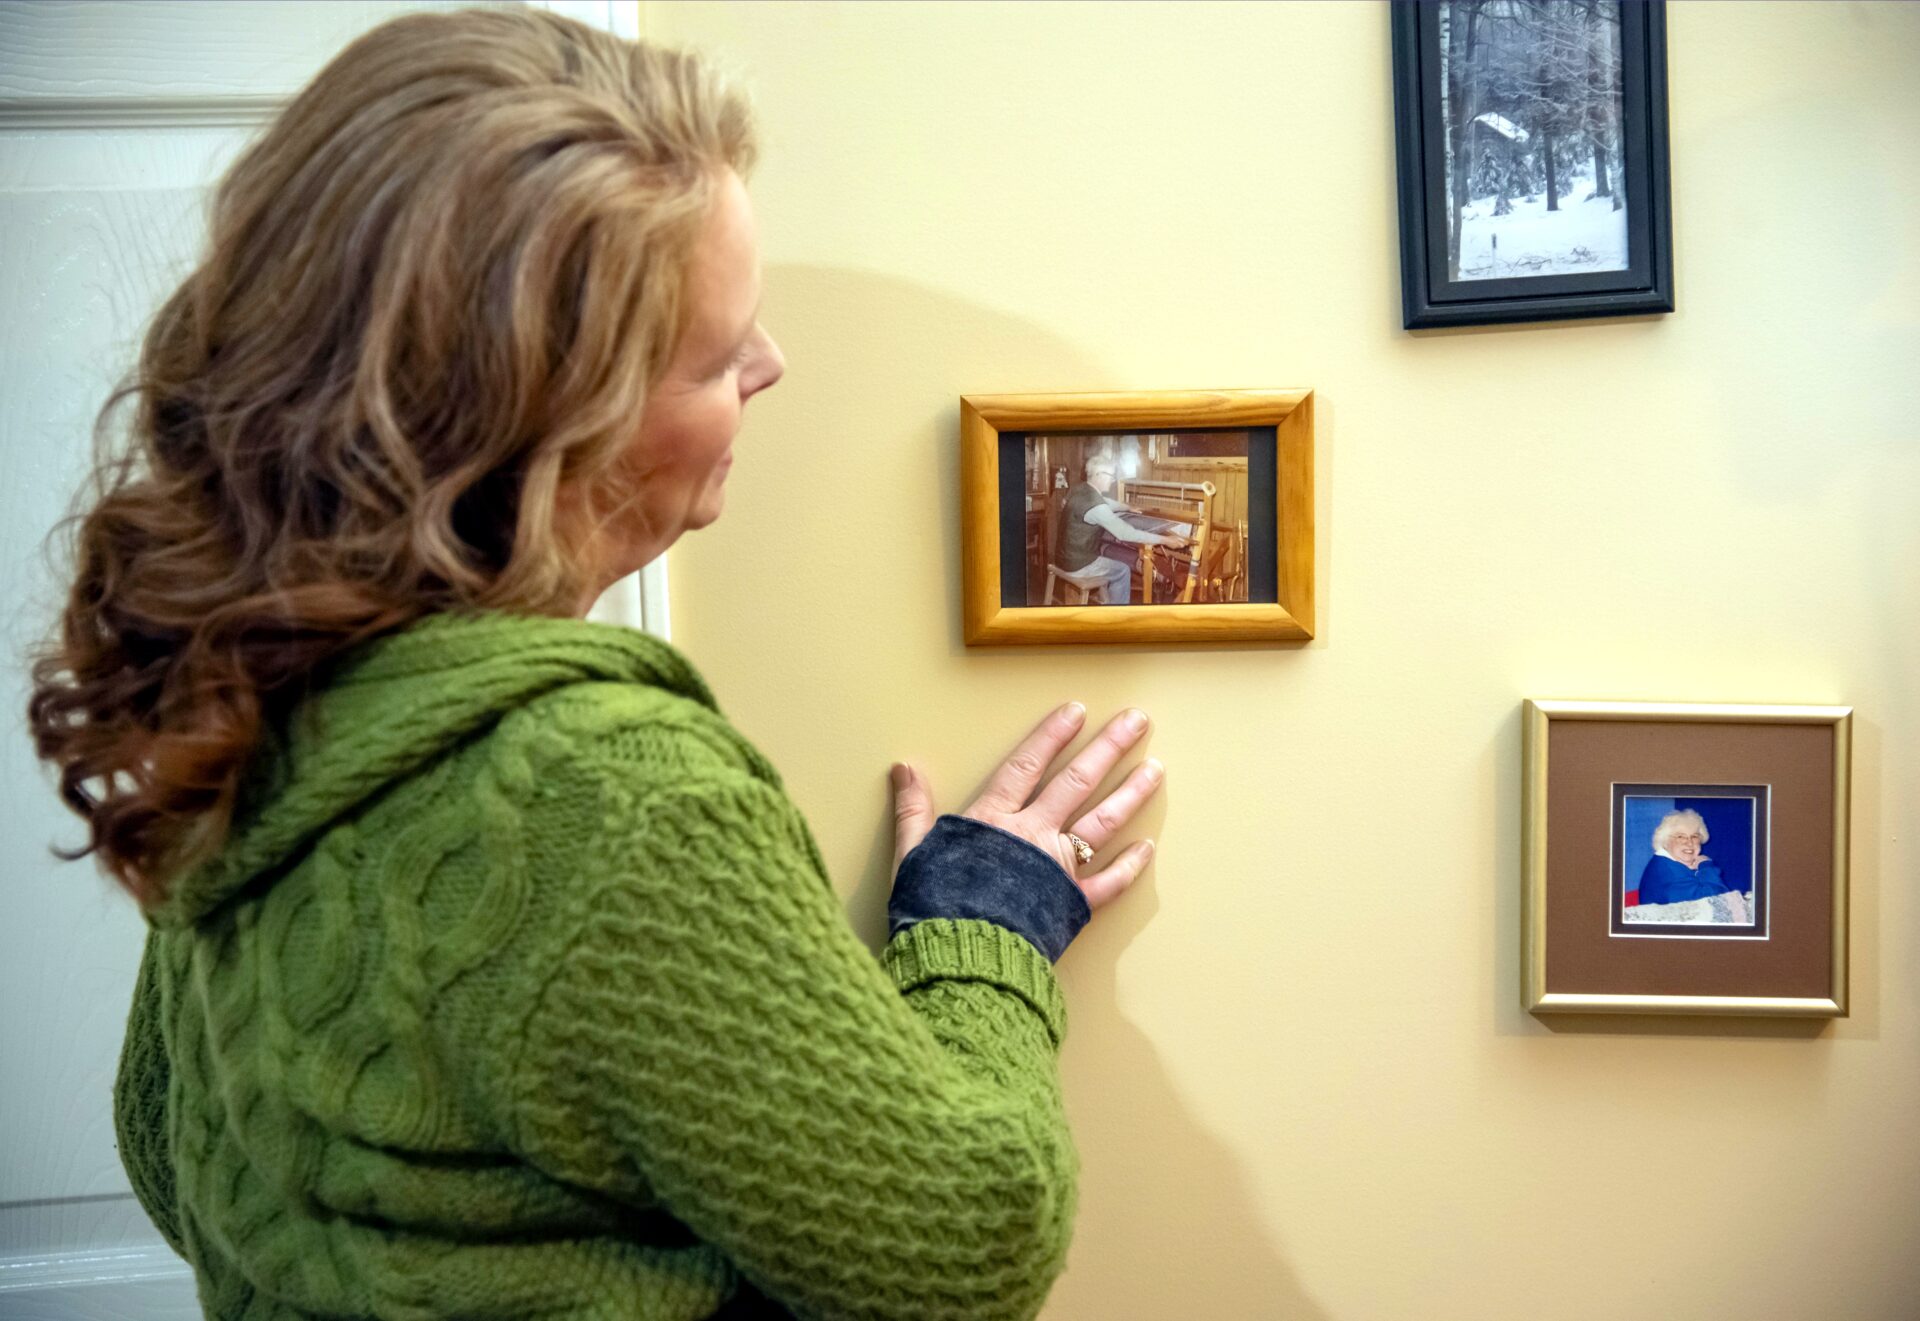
1674,822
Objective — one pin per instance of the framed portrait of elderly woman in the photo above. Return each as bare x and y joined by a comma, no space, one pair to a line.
1685,858
1166,516
1532,140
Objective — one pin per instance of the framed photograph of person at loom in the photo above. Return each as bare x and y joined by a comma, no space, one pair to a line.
1532,147
1685,858
1166,516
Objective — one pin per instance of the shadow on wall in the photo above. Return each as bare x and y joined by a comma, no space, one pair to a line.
869,411
1167,1225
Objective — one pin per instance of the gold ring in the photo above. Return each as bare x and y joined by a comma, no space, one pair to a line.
1081,849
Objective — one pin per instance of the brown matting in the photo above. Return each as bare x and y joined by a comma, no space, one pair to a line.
1586,757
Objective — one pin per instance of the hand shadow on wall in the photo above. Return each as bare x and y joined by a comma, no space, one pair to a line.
1167,1225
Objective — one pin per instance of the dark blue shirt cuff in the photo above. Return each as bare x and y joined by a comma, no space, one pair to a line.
969,869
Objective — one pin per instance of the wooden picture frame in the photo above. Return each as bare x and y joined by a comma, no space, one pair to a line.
1277,603
1631,907
1609,253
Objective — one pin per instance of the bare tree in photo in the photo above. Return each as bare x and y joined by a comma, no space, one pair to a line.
1598,62
1604,98
1459,20
1530,102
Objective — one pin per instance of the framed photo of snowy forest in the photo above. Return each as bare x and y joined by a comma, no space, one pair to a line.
1532,138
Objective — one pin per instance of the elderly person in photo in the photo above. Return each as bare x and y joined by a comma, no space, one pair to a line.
1090,512
1678,870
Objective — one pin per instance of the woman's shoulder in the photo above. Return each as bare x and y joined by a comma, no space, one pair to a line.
636,733
597,774
634,723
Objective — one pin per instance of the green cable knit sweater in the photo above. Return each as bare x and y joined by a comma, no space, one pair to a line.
519,990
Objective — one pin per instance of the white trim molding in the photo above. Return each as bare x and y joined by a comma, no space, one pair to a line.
638,600
148,1282
96,1266
123,112
653,600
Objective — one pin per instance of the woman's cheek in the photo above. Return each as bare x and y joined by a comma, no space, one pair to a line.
722,423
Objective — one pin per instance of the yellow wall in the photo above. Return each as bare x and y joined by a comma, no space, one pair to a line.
1299,1075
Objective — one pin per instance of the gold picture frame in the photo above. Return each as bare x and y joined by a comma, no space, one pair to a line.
988,421
1600,938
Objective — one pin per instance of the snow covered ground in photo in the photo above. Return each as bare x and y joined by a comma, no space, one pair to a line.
1585,234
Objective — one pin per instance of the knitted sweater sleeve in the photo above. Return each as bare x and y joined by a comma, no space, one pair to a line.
140,1103
862,1139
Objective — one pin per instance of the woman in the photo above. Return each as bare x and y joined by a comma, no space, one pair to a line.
1678,870
491,973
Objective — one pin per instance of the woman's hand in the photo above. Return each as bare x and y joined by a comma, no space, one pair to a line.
1043,821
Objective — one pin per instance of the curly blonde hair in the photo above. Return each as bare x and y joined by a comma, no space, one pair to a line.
1674,822
433,296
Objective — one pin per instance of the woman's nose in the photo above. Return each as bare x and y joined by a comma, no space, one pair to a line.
772,366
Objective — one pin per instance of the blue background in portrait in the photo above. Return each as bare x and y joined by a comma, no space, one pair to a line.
1729,827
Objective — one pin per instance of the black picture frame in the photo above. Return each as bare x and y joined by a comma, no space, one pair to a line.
1429,298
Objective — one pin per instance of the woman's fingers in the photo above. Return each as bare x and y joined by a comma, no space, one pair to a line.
1013,783
1118,807
913,813
1108,883
1065,792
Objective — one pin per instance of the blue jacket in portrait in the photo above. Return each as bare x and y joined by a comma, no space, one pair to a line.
1666,881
